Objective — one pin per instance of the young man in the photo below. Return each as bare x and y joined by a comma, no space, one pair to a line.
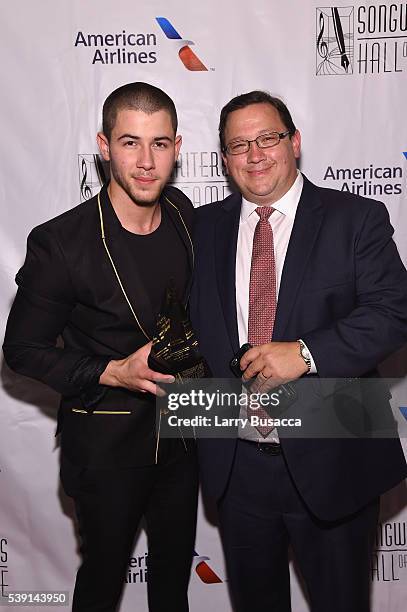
312,279
97,275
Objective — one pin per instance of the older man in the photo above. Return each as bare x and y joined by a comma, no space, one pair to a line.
312,279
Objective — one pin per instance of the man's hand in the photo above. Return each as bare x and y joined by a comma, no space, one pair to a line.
272,364
134,374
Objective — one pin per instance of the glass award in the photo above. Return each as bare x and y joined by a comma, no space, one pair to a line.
175,347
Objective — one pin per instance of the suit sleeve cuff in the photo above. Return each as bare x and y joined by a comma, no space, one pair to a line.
85,375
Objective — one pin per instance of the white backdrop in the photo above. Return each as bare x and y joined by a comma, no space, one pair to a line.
347,89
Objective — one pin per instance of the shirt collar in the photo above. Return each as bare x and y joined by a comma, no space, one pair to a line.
287,205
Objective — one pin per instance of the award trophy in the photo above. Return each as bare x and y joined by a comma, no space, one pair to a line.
175,347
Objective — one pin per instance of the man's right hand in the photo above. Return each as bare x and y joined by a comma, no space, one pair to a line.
134,374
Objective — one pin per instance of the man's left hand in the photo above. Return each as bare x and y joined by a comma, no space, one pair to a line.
272,364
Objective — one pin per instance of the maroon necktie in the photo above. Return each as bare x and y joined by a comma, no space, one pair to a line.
262,292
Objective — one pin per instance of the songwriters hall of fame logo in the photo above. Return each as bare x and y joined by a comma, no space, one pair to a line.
93,174
335,40
199,174
3,568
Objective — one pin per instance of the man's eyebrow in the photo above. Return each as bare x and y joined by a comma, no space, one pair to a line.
163,138
133,137
261,133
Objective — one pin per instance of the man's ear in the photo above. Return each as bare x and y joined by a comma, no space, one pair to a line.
103,145
296,143
178,143
225,162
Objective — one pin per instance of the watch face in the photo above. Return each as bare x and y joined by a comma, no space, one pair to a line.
305,354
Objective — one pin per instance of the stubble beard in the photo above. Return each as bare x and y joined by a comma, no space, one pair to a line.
147,199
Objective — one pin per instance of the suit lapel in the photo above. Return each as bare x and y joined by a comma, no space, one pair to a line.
307,224
226,233
178,221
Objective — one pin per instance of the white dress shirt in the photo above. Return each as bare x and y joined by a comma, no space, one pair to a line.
281,221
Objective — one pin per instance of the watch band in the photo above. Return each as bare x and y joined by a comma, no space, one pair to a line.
305,354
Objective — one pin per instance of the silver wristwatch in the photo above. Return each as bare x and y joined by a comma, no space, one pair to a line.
305,354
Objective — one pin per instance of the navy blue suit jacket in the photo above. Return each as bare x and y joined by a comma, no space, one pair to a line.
344,292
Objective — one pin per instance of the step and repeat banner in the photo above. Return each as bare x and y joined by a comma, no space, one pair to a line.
341,69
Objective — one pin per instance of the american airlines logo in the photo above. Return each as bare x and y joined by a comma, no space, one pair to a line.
190,60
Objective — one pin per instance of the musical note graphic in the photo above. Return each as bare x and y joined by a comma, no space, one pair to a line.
86,191
93,174
334,43
321,44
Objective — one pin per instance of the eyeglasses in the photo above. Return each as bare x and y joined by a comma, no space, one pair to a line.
264,141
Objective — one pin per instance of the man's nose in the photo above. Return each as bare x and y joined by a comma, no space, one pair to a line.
145,157
255,153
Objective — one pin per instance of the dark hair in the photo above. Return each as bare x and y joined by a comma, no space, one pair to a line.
254,97
136,96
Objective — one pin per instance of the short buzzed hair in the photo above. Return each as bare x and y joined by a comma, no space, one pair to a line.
136,96
254,97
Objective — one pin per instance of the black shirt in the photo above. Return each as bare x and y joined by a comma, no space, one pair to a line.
160,257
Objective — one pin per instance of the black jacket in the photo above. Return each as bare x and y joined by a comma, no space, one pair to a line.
67,287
